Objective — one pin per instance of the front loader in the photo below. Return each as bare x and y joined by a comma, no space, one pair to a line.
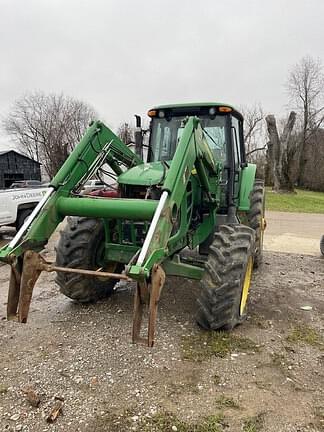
193,209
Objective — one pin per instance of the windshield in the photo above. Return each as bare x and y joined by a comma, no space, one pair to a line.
166,134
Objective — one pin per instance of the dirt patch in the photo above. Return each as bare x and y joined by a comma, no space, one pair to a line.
294,232
267,378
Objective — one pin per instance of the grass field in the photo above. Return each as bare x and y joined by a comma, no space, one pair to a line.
302,201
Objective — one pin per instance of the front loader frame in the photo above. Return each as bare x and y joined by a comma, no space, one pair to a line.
193,165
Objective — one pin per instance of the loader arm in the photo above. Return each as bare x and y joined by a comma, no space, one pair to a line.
98,144
193,154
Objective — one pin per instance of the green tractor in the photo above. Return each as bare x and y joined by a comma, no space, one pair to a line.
194,209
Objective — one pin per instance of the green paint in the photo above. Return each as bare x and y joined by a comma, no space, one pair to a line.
114,208
147,174
247,182
192,180
192,147
174,267
70,174
119,252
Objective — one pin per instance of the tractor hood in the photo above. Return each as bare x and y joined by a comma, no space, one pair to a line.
147,174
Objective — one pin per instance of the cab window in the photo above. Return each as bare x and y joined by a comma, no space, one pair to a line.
165,136
214,131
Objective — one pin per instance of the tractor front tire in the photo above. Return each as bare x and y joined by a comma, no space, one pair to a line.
22,217
81,246
227,277
256,218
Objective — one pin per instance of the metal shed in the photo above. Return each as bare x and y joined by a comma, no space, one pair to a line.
15,166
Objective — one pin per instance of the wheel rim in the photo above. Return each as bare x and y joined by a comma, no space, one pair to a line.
263,223
246,285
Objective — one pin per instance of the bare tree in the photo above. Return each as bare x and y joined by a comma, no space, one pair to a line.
253,128
255,136
281,151
47,127
305,86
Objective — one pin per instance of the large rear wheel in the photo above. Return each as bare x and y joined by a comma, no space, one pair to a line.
81,246
322,245
256,218
227,278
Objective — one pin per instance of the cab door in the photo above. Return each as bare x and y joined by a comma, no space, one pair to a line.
238,154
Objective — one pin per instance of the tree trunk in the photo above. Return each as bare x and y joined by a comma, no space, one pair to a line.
268,172
282,181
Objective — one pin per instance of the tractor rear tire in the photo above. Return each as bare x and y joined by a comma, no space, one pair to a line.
226,280
79,247
322,245
256,219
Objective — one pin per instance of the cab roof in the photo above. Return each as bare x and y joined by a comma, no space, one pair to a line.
199,104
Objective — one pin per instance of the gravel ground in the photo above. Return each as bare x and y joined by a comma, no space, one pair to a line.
268,377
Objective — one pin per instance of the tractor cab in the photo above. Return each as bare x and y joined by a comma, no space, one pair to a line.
222,127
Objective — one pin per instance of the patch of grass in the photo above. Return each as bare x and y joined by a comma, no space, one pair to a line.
160,422
205,345
112,422
305,334
164,421
227,402
212,423
3,389
260,322
281,362
216,379
319,416
254,424
303,201
278,359
263,385
180,388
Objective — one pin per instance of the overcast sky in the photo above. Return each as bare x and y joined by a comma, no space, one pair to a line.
124,57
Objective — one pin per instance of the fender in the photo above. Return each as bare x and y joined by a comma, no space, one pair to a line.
247,182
